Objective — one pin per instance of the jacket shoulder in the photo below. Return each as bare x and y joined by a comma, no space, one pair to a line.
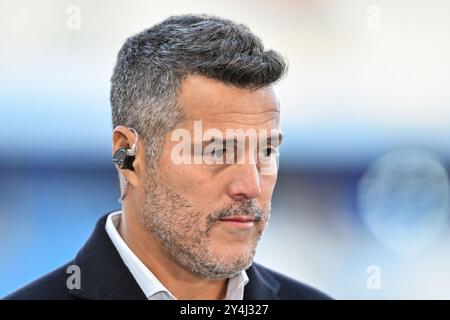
51,286
291,289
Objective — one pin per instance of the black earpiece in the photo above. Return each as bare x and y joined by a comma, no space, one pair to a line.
124,157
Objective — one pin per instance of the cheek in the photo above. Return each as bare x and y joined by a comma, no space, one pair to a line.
175,175
191,181
267,186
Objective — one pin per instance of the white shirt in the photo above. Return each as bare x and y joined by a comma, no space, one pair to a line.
147,281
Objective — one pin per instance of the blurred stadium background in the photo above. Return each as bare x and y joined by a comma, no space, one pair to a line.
362,203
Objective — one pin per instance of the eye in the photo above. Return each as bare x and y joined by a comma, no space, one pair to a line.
267,152
215,153
218,152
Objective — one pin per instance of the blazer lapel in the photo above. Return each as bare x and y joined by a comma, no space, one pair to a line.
261,285
103,273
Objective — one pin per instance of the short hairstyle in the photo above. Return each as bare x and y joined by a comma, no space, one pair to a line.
152,64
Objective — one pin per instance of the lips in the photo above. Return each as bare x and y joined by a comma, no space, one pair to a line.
239,222
238,219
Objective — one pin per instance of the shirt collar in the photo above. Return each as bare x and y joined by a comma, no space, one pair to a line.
147,281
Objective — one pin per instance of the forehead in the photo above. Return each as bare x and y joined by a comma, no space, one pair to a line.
216,103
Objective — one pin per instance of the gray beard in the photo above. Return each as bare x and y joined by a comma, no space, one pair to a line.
178,226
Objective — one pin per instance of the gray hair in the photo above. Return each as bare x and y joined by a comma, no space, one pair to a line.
152,64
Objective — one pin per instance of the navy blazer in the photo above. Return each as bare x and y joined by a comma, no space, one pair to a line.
105,276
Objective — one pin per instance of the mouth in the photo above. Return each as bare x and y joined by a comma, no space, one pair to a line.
241,222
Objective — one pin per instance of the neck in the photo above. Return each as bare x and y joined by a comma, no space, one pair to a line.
182,283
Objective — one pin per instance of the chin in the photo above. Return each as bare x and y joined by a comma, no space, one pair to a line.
233,251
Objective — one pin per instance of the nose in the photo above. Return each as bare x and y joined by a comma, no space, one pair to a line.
245,183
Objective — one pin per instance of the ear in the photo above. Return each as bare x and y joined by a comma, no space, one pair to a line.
124,137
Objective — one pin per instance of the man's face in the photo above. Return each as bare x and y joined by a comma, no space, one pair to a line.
210,216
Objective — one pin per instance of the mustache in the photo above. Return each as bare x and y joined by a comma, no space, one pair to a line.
247,209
